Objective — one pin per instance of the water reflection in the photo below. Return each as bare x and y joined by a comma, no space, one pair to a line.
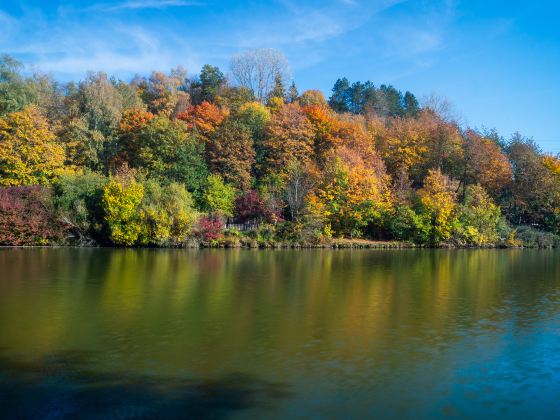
391,333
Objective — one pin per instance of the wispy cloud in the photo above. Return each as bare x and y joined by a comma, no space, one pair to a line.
305,29
68,47
143,4
71,42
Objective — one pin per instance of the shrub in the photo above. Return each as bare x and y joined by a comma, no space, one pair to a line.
209,228
531,237
479,219
26,217
77,201
166,214
121,198
403,223
250,206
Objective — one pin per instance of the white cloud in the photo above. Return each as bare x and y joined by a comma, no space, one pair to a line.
304,29
143,4
68,48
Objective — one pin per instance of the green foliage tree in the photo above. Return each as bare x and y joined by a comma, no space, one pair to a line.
166,213
168,151
100,103
218,197
77,201
480,220
14,92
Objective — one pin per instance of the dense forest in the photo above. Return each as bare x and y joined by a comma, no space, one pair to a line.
177,160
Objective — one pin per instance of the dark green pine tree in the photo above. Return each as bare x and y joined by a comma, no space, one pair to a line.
211,79
410,105
339,100
278,91
293,93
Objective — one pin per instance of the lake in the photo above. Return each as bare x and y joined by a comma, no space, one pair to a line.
124,333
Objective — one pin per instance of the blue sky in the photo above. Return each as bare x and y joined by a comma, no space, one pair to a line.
497,61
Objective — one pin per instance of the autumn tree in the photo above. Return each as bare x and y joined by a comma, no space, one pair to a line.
127,149
533,194
100,103
403,146
121,199
444,144
162,93
26,217
255,117
439,200
353,193
312,98
288,140
325,131
230,153
29,151
233,97
166,214
205,118
485,164
552,163
480,218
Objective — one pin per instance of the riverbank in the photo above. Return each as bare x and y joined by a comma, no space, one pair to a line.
333,244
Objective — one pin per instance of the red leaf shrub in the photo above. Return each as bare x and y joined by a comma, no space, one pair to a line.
250,206
209,228
25,217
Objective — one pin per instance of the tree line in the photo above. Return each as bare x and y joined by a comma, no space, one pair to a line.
165,160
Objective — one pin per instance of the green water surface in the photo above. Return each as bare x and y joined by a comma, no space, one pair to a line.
109,333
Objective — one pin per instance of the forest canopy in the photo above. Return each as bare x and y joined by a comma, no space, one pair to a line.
171,159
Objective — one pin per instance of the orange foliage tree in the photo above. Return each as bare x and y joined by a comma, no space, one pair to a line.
485,164
288,139
205,117
353,193
133,121
230,153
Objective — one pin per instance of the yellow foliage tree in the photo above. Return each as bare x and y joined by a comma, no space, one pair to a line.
439,200
29,152
352,194
121,198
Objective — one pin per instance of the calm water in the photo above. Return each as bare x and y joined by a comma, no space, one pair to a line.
284,334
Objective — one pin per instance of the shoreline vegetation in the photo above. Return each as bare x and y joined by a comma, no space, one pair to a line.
246,160
335,244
